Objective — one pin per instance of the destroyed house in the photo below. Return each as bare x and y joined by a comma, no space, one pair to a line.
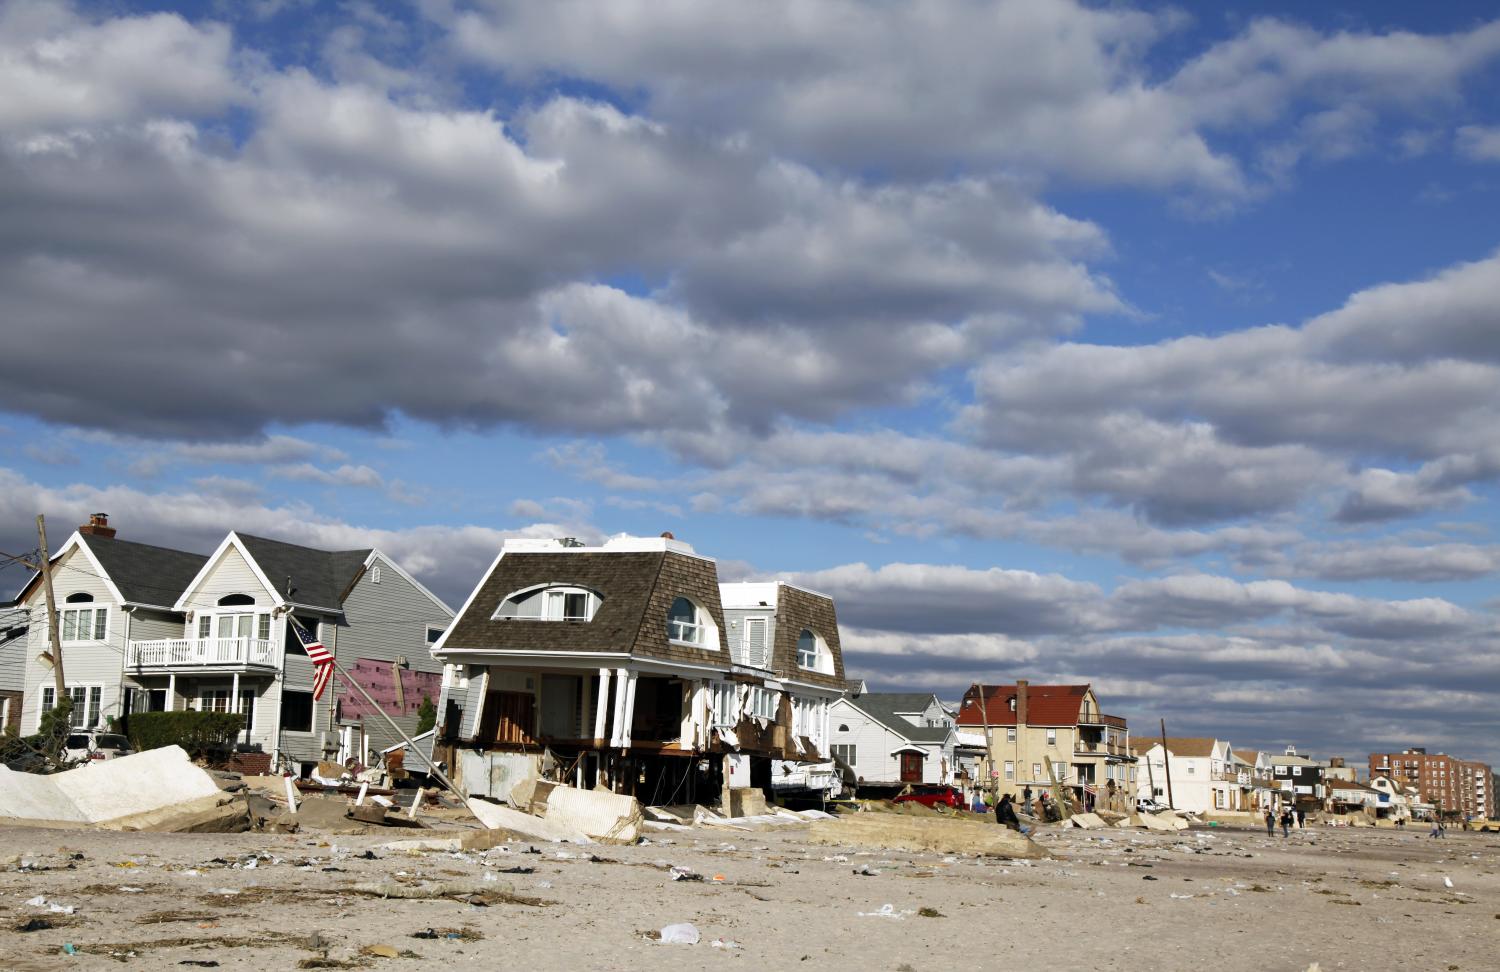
625,665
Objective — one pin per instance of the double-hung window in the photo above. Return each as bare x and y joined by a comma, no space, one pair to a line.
86,699
85,624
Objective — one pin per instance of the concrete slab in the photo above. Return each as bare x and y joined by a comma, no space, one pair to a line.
498,817
610,818
106,790
925,834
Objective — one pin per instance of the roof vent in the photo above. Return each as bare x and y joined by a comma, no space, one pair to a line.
97,526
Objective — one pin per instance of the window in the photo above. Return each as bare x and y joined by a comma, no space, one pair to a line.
296,711
1052,737
1296,771
433,634
1010,770
213,700
87,701
205,626
844,753
550,602
763,702
1061,769
807,649
84,624
292,642
723,697
1010,734
753,643
375,574
1036,771
683,623
1190,769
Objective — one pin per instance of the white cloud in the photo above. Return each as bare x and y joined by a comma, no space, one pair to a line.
1480,142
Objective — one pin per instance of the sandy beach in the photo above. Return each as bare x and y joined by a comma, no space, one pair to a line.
1121,899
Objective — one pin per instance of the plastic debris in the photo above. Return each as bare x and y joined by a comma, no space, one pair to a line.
884,911
724,943
680,934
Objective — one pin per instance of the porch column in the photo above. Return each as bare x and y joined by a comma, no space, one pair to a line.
629,710
234,697
601,708
171,689
616,733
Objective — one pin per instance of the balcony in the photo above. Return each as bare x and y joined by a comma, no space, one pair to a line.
201,654
1097,719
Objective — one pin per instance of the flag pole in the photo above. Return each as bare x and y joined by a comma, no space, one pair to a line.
333,663
431,766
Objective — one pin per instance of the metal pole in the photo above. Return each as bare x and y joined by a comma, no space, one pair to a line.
1166,762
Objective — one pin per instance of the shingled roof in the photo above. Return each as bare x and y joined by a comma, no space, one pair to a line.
142,573
318,578
1183,747
1047,705
635,588
884,708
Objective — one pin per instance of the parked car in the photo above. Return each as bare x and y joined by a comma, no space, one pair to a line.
1148,805
85,746
931,796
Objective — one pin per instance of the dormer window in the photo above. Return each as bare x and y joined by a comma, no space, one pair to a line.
684,622
551,602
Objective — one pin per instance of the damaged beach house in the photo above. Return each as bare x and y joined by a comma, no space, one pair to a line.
629,667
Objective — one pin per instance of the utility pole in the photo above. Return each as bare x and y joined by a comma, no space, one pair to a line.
989,749
1166,762
52,619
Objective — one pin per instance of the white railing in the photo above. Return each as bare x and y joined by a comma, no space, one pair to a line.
175,652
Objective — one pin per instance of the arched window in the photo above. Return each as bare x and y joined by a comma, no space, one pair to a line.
550,602
684,622
236,600
82,597
807,649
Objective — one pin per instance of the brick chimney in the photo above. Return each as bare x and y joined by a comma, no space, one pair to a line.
1022,702
97,526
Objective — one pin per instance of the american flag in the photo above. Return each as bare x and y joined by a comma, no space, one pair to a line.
322,658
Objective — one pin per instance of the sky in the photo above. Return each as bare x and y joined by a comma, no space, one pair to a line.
1155,346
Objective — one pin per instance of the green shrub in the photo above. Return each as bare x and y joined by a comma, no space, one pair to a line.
426,715
196,732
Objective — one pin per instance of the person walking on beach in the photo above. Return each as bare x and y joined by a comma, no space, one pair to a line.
1286,822
1270,823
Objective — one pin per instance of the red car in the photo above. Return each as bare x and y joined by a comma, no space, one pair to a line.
931,796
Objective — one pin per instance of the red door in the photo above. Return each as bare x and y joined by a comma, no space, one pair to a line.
911,767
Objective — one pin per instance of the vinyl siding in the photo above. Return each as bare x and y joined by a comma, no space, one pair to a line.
734,619
148,625
231,575
385,622
873,746
85,662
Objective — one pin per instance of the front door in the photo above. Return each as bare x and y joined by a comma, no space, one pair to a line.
911,767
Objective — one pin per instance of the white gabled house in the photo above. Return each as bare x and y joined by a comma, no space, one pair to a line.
894,738
235,651
1204,773
147,628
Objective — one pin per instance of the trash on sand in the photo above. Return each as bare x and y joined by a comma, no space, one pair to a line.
685,874
866,870
884,911
679,934
724,943
381,951
1447,882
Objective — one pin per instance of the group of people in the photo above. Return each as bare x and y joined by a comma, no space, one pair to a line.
1043,809
1288,817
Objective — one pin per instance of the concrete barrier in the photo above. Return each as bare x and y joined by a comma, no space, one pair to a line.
611,818
108,790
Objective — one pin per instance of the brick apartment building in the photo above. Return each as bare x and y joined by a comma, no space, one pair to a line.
1455,785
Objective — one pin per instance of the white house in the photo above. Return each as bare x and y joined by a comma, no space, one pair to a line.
894,738
147,628
1203,773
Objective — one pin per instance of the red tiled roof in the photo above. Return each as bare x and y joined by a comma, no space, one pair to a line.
1047,705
